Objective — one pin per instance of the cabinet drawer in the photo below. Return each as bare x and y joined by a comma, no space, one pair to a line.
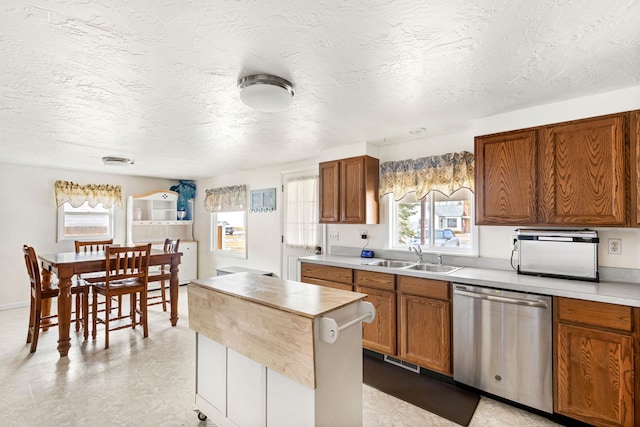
371,279
327,283
325,272
592,313
424,287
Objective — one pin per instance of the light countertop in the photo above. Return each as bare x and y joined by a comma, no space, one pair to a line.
609,292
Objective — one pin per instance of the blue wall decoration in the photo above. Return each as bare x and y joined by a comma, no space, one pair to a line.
186,190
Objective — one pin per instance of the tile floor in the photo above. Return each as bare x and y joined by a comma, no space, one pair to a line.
150,382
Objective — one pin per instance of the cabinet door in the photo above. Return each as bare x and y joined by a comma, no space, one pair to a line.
330,192
634,134
188,269
352,190
380,335
425,332
582,172
505,178
211,372
246,391
595,378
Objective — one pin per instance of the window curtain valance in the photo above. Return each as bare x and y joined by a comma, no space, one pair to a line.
76,194
446,173
226,199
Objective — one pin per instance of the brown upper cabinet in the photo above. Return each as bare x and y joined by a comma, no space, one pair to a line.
634,134
349,190
571,174
506,178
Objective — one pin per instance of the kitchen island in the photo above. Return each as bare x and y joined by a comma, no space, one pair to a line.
277,352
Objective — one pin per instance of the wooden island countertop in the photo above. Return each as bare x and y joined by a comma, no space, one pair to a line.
299,298
269,320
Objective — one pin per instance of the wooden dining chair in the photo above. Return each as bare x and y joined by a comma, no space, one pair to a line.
127,270
38,294
162,275
92,246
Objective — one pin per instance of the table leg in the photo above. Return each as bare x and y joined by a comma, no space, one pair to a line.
173,290
64,312
46,303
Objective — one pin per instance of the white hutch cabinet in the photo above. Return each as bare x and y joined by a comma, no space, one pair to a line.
153,217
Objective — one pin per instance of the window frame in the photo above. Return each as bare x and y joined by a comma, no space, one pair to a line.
213,236
393,244
61,220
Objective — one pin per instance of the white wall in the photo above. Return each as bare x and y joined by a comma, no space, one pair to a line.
263,228
29,216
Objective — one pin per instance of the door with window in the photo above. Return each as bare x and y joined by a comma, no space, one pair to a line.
302,233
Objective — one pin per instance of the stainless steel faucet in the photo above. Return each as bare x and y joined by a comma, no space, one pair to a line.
418,250
439,259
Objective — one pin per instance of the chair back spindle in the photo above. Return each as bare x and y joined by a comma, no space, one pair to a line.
92,246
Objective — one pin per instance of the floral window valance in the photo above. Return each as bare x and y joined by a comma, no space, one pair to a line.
226,199
76,194
446,173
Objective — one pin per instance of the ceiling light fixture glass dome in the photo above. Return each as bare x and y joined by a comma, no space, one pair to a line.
267,93
116,161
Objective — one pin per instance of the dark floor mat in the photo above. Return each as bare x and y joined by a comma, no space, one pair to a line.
438,397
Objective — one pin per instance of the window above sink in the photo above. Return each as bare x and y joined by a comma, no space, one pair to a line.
436,222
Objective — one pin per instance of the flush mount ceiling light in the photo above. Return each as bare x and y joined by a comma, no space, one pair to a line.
264,92
116,161
417,131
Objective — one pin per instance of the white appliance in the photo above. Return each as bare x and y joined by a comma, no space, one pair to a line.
568,254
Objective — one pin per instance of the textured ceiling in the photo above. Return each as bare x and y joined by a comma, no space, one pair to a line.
155,80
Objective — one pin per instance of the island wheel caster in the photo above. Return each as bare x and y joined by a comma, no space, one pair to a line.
201,416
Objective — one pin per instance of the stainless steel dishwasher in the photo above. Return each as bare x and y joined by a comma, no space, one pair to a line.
502,344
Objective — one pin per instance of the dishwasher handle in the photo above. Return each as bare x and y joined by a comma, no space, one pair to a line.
506,300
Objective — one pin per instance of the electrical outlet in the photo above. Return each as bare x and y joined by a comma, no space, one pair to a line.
363,234
334,235
615,246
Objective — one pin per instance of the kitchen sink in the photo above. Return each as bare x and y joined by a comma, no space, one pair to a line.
392,263
434,268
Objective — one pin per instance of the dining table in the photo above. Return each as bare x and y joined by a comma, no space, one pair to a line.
65,265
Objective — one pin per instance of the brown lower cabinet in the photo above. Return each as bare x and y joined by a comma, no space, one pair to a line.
413,315
379,335
419,310
595,352
424,323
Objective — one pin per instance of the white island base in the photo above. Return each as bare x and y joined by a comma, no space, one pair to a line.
245,377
